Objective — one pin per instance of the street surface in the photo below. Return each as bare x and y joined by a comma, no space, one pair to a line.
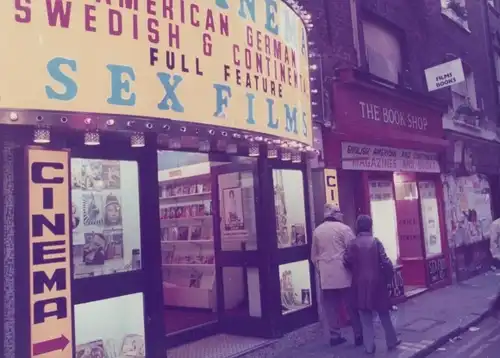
482,343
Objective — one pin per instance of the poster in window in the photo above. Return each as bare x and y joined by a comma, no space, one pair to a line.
233,209
106,217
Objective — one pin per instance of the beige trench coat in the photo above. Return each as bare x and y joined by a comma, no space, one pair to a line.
330,240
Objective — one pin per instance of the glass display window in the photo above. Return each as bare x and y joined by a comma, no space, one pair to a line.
295,284
112,327
383,213
289,201
105,216
430,217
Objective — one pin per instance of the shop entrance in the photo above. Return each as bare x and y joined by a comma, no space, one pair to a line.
209,245
407,219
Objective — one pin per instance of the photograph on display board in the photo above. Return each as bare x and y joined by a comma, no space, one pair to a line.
233,209
92,178
111,174
133,346
91,350
112,210
114,250
298,235
92,205
95,249
76,173
76,212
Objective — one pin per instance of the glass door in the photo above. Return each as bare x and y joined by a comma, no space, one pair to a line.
238,260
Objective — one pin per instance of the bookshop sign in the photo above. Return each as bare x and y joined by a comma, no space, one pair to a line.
49,253
150,56
370,157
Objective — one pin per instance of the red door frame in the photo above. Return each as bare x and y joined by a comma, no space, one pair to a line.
423,263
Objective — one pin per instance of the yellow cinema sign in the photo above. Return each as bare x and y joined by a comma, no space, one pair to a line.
238,64
331,187
50,264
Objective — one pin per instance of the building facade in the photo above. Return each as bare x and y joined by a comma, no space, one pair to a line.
394,45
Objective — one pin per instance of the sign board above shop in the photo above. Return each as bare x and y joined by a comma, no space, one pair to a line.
361,109
445,75
374,158
246,60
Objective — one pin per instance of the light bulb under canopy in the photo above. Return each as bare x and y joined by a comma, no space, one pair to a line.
272,153
296,157
41,135
253,150
137,140
92,138
286,155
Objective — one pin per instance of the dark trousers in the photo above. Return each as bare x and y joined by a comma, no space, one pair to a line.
333,302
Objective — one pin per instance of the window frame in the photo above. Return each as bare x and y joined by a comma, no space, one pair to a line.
392,31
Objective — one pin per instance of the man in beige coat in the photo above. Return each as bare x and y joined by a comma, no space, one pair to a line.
329,243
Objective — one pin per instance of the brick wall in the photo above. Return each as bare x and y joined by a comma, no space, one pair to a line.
429,37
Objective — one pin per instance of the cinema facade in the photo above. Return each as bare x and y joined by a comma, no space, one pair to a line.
143,149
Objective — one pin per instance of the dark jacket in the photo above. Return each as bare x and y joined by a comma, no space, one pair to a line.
371,269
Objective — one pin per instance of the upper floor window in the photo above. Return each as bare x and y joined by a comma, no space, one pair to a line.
383,52
456,10
464,93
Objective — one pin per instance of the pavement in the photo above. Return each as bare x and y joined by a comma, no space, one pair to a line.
482,341
424,323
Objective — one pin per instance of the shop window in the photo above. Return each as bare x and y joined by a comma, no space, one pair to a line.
289,201
383,52
464,93
430,217
456,10
295,281
110,328
105,217
237,211
383,212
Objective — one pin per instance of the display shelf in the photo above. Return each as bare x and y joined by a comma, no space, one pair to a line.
186,212
193,218
186,196
175,242
188,265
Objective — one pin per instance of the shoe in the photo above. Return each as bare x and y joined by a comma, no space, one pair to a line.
358,341
372,352
337,341
394,346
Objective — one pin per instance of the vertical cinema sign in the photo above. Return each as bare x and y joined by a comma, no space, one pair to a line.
331,187
50,264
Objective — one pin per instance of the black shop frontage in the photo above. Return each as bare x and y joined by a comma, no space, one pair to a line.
137,191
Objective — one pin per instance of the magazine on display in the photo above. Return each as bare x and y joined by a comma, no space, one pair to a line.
97,217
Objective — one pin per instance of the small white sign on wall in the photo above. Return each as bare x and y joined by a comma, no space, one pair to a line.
444,75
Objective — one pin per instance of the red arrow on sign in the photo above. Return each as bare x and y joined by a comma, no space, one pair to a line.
51,345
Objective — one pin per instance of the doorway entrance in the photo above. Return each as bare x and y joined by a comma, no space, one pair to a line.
211,262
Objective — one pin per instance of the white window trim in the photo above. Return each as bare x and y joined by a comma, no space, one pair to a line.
449,13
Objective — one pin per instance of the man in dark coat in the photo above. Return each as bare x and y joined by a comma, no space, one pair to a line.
371,271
